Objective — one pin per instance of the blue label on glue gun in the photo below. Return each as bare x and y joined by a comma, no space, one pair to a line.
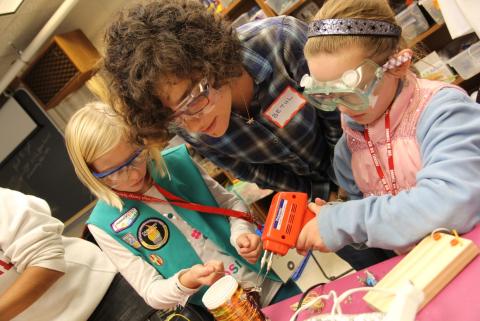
282,207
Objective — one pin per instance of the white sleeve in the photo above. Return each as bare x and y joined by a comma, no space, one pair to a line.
29,235
157,292
226,199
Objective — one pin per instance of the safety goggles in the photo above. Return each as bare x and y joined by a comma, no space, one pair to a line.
354,89
122,172
195,103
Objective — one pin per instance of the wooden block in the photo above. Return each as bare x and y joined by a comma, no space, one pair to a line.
430,266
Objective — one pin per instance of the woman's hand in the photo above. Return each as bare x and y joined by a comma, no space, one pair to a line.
250,246
202,274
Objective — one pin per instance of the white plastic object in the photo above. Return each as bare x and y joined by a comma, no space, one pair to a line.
412,22
434,68
467,62
220,292
406,303
375,316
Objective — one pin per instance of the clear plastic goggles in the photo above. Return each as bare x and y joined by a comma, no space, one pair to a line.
353,90
195,103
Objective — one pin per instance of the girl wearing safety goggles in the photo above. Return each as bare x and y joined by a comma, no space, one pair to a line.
410,152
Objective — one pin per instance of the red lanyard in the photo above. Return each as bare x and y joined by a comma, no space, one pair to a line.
376,162
180,202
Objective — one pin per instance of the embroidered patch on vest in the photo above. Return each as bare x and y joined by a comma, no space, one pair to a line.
131,240
125,221
153,233
156,259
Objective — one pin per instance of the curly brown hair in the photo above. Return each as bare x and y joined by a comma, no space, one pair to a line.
153,41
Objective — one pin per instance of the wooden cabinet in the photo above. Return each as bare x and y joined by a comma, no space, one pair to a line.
64,65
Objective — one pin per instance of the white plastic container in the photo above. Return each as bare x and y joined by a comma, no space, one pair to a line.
220,292
412,22
433,10
467,63
434,68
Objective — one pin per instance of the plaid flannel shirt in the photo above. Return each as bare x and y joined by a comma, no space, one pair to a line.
294,158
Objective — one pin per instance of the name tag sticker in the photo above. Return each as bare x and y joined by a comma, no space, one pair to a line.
285,107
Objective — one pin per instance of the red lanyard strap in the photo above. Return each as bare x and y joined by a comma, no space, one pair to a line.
180,202
376,161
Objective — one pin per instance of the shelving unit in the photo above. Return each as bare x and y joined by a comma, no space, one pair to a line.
437,37
424,35
266,8
237,7
231,8
458,81
294,7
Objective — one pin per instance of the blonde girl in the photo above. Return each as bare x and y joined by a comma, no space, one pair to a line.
166,252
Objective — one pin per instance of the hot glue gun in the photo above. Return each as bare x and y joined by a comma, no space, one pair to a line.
287,215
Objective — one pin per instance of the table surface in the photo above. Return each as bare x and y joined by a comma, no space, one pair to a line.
457,301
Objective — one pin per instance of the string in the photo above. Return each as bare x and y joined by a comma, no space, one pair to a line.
313,302
336,310
317,307
436,235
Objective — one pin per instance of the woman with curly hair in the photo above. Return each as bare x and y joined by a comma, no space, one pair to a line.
231,94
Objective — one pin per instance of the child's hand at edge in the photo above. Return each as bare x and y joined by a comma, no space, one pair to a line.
202,274
310,238
250,246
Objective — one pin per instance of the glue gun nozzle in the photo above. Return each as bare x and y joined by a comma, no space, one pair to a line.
269,264
264,259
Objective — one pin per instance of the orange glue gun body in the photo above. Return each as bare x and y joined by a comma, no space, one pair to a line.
287,215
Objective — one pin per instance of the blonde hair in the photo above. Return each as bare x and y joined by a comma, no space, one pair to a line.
92,132
376,48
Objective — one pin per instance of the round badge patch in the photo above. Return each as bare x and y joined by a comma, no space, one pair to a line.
153,233
156,259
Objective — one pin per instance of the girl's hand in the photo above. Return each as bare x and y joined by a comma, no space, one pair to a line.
202,274
250,246
310,238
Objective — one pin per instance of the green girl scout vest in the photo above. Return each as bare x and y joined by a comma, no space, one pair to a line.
151,235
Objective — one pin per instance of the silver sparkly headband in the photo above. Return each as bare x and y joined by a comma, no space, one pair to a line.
330,27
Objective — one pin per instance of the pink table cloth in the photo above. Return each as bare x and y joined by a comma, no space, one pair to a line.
459,300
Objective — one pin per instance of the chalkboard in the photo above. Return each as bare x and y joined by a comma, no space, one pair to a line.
40,165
